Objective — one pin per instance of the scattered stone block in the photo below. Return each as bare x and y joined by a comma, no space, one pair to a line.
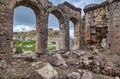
47,72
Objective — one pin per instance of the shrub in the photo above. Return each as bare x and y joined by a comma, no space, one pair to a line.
53,42
104,16
56,33
18,50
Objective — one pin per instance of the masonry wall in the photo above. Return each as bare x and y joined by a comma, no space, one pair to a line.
114,26
96,20
42,8
6,23
5,28
73,14
102,26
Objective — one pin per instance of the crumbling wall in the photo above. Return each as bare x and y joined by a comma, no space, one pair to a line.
114,26
66,12
42,8
96,20
6,23
73,14
102,26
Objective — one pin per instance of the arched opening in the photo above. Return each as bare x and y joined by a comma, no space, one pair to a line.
71,34
53,33
24,30
75,28
61,34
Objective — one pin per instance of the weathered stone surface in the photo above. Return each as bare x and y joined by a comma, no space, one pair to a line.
58,60
99,66
67,54
95,25
3,64
87,75
26,56
99,76
74,75
101,24
114,25
47,72
117,77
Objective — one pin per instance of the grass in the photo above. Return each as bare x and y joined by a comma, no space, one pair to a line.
53,42
31,46
23,45
51,48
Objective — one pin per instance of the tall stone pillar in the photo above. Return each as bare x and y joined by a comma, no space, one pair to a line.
42,34
64,36
77,36
6,28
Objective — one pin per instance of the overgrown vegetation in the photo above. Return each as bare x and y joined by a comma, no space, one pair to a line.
30,46
104,16
26,40
25,45
53,42
18,50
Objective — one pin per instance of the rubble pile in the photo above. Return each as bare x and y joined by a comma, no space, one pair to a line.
68,65
98,66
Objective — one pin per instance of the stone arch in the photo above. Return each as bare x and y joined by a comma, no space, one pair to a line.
76,23
74,20
29,3
63,38
58,13
41,45
41,8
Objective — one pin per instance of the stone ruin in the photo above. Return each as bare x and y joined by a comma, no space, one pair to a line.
42,8
101,25
98,29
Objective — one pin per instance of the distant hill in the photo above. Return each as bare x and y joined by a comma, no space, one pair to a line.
32,34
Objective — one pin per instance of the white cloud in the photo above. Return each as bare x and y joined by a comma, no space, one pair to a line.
78,3
21,28
82,3
71,33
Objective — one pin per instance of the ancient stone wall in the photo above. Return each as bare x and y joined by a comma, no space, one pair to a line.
72,14
114,26
5,27
96,20
64,12
101,26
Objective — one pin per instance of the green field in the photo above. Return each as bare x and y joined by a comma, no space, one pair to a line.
31,45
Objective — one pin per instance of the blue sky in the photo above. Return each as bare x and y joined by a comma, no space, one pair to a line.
25,18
